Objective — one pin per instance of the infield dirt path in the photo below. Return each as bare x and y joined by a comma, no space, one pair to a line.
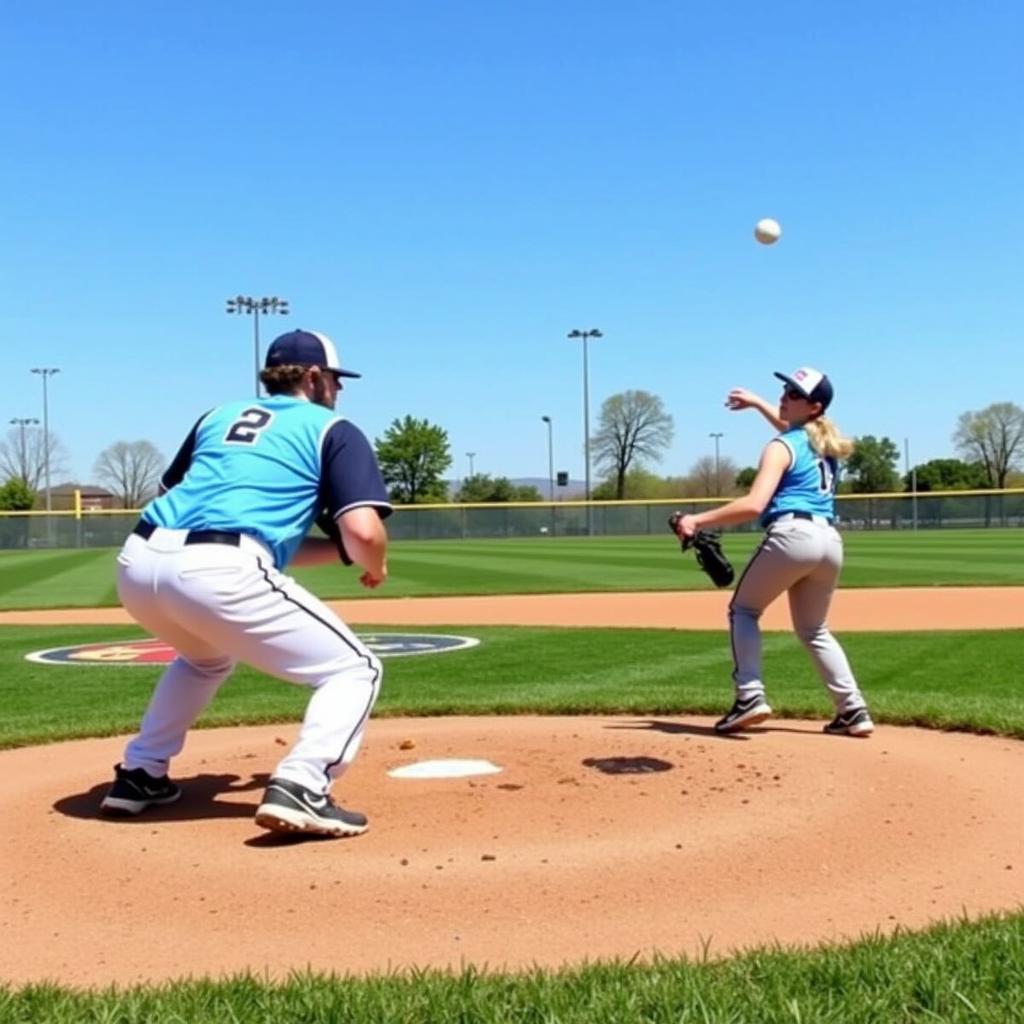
891,609
571,852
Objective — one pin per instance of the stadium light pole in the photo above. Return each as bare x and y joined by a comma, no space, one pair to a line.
586,336
23,422
718,477
266,306
551,461
46,372
471,456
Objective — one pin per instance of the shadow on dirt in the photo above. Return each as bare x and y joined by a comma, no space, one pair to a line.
200,801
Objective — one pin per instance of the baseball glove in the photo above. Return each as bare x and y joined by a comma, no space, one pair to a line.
707,547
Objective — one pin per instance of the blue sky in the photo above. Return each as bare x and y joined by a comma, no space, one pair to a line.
448,188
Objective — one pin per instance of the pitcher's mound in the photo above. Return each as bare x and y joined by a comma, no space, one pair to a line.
600,837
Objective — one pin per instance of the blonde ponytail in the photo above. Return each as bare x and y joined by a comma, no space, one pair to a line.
826,440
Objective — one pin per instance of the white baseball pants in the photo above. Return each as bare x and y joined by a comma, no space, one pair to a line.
217,604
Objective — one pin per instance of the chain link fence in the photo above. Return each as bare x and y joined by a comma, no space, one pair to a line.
929,511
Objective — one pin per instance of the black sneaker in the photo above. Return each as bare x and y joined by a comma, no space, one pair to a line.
133,791
853,723
289,807
743,714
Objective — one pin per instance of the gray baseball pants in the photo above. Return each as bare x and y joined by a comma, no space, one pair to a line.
803,558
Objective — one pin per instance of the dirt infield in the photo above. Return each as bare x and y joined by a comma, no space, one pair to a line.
882,609
600,837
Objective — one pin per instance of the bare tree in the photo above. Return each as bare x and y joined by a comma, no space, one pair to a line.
131,469
711,478
634,427
23,455
994,437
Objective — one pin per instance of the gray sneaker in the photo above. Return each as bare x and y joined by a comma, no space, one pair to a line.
289,807
743,714
853,723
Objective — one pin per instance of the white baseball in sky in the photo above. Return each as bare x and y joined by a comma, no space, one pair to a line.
767,231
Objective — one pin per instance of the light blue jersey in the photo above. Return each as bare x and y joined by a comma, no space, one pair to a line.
808,485
268,467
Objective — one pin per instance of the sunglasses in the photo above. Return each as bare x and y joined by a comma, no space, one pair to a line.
792,394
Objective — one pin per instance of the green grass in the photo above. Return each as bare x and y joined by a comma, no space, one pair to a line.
950,973
85,578
909,678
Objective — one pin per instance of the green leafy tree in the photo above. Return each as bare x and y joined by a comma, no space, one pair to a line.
994,437
745,478
16,496
633,428
413,456
872,466
947,475
480,487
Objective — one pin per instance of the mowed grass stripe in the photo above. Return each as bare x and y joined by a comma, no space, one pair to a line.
77,576
555,564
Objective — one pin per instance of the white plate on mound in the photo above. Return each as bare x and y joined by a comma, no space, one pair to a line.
451,768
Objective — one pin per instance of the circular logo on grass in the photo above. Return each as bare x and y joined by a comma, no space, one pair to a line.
156,652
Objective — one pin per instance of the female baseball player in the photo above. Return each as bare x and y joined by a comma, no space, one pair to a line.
203,570
793,495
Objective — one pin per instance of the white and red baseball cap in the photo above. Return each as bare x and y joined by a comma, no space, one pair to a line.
306,348
811,383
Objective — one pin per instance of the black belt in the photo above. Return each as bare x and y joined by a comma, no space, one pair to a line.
799,515
145,531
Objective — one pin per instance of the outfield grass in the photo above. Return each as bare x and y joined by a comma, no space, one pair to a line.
85,578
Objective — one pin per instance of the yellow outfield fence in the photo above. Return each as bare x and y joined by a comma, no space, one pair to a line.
80,527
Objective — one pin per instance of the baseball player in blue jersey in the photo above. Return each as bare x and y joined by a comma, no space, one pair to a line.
203,570
793,496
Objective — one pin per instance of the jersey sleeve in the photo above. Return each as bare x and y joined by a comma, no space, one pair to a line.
176,471
350,476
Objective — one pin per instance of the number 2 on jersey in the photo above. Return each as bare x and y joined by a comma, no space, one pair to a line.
248,427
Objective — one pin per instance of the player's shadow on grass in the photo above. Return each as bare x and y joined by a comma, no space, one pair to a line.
200,801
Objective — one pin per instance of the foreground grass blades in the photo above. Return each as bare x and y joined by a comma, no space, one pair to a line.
955,972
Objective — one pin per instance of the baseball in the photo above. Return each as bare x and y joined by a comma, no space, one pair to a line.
767,231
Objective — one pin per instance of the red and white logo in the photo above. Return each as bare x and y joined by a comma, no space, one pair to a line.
156,652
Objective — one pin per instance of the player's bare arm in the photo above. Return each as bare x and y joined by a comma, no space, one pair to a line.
366,541
741,398
775,461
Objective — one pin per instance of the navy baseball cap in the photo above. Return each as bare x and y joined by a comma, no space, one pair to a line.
306,348
811,383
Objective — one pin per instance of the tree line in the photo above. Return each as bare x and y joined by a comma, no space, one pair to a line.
633,433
